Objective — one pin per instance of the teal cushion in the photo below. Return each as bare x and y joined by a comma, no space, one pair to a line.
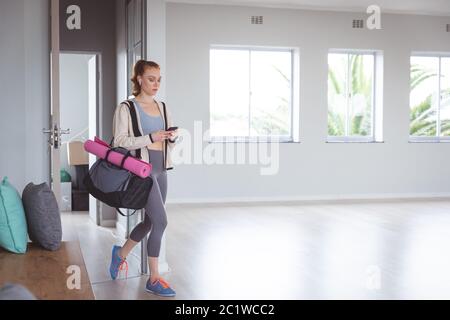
13,225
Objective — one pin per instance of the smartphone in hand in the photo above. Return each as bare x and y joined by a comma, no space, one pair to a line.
172,129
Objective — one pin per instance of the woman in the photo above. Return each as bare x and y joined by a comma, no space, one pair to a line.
155,144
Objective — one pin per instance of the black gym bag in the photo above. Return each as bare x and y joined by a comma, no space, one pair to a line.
116,186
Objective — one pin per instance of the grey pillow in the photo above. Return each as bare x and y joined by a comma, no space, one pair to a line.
43,218
15,292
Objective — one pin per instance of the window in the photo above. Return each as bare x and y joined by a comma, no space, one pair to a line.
429,98
351,96
250,94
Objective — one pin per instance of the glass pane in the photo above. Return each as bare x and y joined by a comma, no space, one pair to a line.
423,95
270,93
229,92
361,90
137,21
137,53
445,97
130,24
130,65
337,93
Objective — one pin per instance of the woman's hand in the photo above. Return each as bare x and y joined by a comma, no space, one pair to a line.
173,134
160,135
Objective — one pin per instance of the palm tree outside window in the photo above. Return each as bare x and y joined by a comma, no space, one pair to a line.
251,94
429,98
351,96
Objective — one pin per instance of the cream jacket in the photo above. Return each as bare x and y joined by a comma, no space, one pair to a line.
124,136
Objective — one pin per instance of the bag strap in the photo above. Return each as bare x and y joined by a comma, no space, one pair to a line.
125,158
126,215
128,154
165,141
165,114
107,155
134,123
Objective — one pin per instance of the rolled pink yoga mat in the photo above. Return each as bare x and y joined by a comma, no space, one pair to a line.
99,148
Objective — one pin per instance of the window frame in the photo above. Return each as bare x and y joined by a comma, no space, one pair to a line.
437,138
372,138
292,102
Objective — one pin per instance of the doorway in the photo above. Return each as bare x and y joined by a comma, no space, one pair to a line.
79,84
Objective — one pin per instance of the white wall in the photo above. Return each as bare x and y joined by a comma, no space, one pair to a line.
25,91
74,105
156,39
311,169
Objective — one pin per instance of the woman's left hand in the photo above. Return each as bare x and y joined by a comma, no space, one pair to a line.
173,134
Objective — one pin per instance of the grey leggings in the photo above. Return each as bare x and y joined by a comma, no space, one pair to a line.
155,212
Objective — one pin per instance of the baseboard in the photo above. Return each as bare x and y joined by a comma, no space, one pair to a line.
348,197
108,223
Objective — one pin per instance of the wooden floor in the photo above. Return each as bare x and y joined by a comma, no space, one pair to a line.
48,275
347,250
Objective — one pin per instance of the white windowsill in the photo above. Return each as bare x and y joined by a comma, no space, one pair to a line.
352,140
344,141
429,140
252,140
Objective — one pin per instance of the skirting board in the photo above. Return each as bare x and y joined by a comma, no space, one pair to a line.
108,223
349,197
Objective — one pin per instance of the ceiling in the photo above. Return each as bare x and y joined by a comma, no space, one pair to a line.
426,7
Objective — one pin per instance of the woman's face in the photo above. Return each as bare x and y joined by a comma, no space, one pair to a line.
151,79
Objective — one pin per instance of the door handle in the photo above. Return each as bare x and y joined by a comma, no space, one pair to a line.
50,138
55,135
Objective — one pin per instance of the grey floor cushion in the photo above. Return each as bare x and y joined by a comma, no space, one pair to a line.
11,291
43,217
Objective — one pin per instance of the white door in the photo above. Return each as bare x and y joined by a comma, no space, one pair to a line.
84,120
54,130
92,83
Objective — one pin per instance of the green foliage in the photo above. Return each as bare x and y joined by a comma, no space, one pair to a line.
336,124
265,122
361,84
273,123
423,115
418,75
